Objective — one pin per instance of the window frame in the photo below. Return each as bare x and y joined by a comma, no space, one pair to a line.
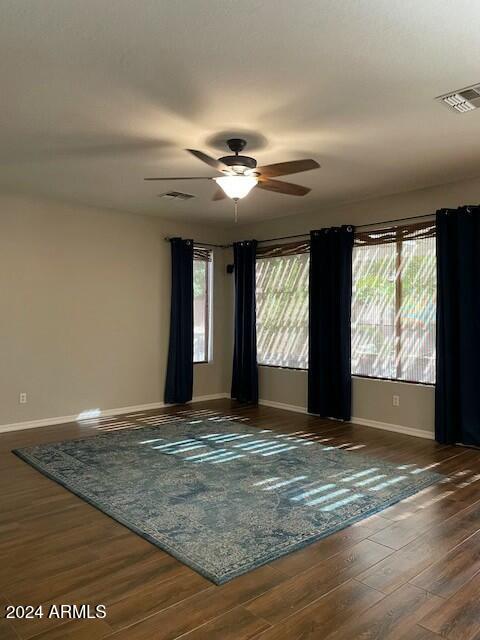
208,259
279,366
285,250
401,235
400,380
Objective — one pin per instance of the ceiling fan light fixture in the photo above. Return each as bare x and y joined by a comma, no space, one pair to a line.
239,169
236,187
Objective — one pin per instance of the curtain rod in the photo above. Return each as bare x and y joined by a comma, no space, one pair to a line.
306,235
205,244
360,226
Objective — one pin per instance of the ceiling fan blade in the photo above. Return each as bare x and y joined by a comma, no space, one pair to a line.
219,166
286,168
219,194
183,178
282,187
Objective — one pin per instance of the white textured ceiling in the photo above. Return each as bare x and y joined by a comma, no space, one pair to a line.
97,94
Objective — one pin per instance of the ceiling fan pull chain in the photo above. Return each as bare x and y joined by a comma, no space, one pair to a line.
236,209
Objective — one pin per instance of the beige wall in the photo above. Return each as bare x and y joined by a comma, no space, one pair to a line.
411,203
372,399
85,304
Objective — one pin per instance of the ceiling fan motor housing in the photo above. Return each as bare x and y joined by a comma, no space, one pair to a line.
239,161
237,145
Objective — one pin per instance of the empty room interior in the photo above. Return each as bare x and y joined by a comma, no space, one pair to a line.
240,320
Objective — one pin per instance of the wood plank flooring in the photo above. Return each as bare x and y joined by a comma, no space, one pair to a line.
411,572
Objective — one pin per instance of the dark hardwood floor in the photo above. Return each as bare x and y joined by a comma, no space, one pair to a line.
411,572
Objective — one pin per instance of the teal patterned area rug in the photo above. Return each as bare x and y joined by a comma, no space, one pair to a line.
225,497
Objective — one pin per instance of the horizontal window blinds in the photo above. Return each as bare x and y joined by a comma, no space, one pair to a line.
285,249
395,234
200,253
394,303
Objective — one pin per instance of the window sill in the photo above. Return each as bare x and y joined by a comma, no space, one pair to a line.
203,361
418,384
421,384
279,366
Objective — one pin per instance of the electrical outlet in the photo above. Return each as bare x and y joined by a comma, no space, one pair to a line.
22,398
396,401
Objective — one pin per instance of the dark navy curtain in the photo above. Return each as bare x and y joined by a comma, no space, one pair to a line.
457,391
245,370
330,294
179,382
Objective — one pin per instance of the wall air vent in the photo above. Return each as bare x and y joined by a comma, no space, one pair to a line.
175,195
462,100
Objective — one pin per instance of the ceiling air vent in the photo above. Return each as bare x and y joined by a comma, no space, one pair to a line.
462,100
175,195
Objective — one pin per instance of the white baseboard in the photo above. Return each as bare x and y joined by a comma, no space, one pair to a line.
386,426
101,413
397,428
47,422
212,396
282,405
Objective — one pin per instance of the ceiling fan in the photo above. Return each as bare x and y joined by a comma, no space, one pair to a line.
241,174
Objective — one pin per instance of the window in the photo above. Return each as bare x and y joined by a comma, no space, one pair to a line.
394,304
282,306
202,287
